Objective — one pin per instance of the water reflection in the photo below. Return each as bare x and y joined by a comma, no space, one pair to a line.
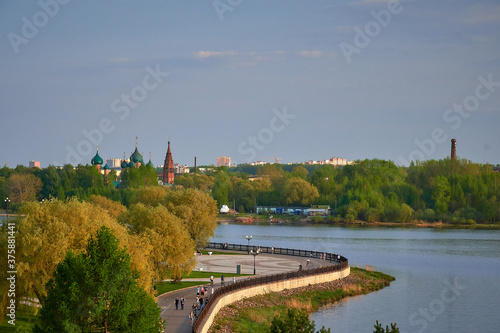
423,262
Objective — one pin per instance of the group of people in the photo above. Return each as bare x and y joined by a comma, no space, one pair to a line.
180,301
202,297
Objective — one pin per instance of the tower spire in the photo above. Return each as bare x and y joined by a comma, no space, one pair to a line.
168,167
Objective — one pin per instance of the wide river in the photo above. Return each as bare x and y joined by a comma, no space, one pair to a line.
447,280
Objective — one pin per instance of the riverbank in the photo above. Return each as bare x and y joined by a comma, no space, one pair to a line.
255,314
317,220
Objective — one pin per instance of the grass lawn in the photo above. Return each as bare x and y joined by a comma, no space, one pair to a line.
203,275
165,287
205,252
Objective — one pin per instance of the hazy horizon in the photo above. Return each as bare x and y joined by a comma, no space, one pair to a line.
252,80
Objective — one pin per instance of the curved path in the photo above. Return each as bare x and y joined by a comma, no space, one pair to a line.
265,264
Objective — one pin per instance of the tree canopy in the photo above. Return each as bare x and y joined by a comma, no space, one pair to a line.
97,290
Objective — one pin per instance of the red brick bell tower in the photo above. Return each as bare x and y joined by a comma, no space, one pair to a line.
168,167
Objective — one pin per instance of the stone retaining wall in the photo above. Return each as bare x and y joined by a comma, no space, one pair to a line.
265,288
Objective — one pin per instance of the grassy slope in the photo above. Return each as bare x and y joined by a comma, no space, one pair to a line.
255,314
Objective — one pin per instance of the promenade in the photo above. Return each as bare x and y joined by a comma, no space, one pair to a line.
265,264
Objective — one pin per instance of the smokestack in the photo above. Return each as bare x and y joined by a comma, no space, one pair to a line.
195,165
453,149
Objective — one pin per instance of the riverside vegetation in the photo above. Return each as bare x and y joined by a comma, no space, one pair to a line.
256,314
160,231
452,191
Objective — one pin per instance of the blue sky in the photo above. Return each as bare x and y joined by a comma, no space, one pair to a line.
252,80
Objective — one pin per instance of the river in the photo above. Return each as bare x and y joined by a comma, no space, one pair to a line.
447,280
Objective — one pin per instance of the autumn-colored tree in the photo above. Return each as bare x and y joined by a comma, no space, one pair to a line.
48,231
23,187
97,291
298,191
113,208
172,247
196,209
195,181
150,195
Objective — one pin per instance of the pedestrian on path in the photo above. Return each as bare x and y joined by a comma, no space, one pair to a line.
198,291
234,279
177,303
222,279
212,291
212,280
182,303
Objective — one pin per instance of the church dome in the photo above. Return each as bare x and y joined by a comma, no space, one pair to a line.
97,160
150,163
136,157
124,164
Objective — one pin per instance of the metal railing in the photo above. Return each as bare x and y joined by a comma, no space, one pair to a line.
277,250
242,284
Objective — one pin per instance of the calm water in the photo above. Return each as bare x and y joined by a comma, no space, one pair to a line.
446,280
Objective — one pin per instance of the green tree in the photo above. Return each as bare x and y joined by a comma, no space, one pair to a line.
144,175
441,193
196,181
298,191
379,329
300,172
294,322
220,188
51,183
96,290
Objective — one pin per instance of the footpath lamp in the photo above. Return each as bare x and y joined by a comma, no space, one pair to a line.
7,201
254,253
248,239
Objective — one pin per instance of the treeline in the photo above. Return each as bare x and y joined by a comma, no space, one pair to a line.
23,184
455,191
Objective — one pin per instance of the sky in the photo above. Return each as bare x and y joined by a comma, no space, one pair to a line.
252,80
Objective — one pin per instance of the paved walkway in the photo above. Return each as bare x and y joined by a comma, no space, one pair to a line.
265,264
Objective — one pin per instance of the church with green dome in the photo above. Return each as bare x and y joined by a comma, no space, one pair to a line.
136,160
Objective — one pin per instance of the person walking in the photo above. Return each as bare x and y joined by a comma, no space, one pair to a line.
212,280
182,303
177,303
234,279
222,279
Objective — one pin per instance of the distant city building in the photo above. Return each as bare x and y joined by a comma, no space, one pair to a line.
179,169
114,163
205,170
34,164
336,161
258,163
223,161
